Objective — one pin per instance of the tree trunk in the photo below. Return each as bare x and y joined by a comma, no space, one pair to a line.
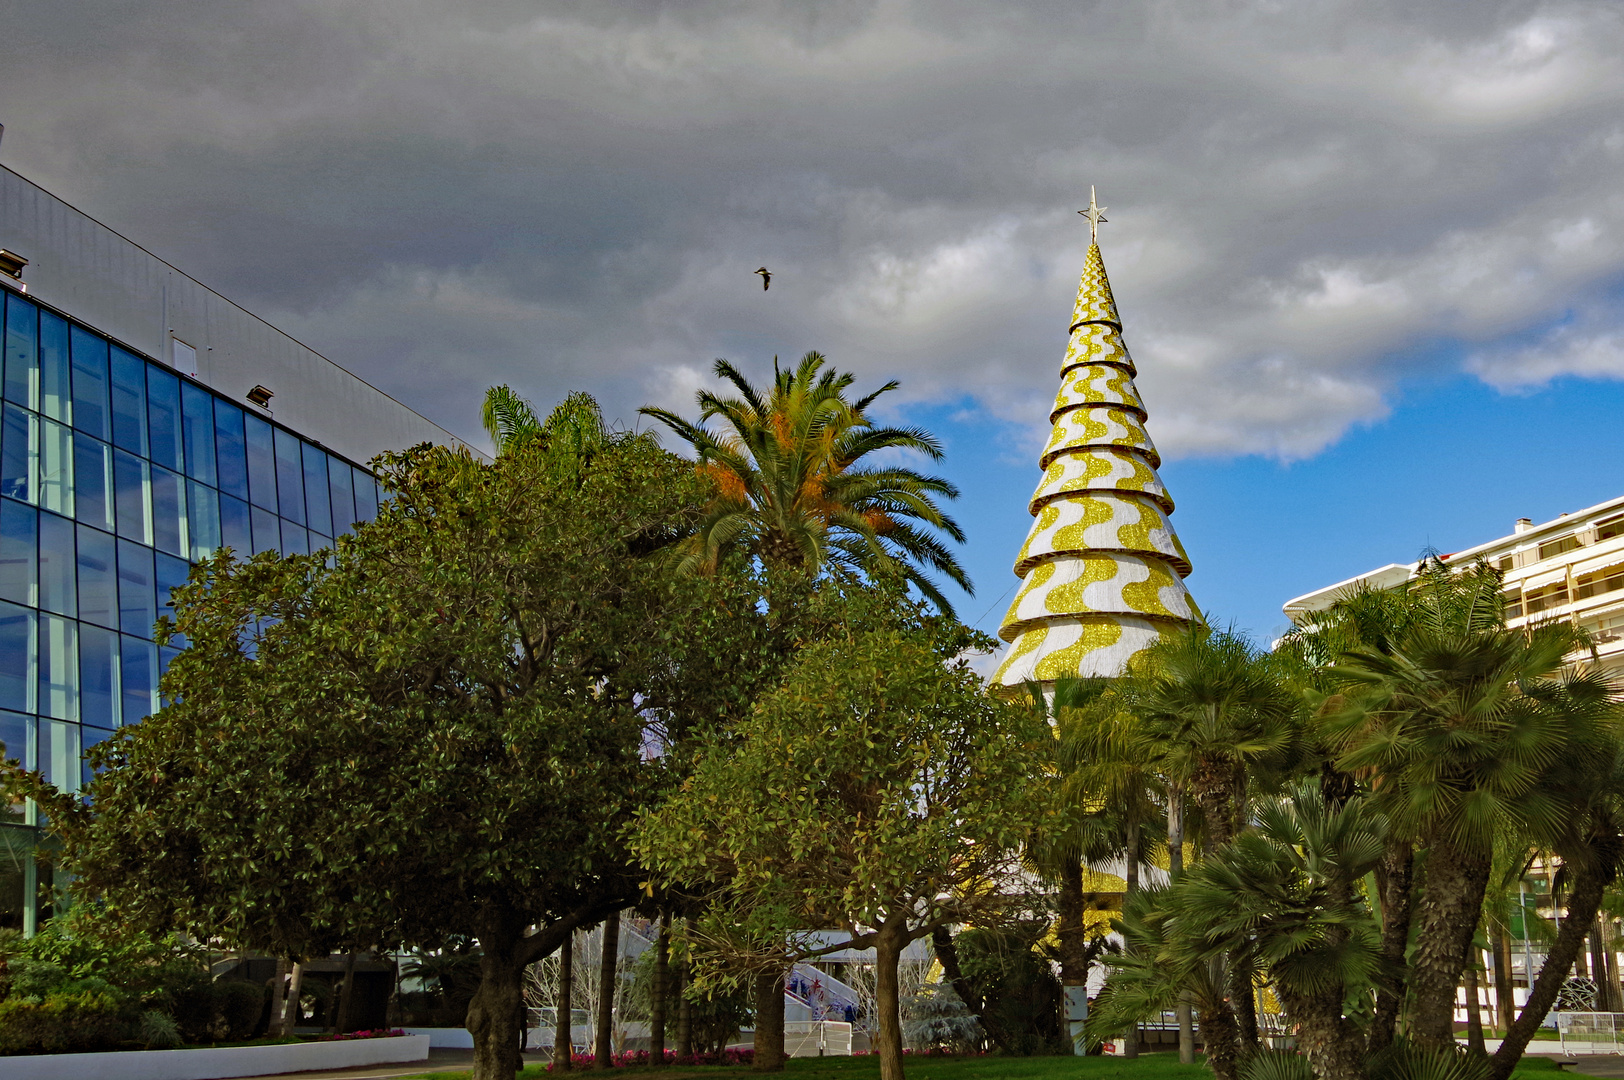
603,1051
496,1011
662,978
1598,967
1243,993
1175,867
1451,901
1474,1011
769,1042
685,1017
1072,934
887,998
1213,786
1333,1044
291,1013
1130,878
947,954
1505,994
1222,1039
563,1009
1583,903
279,995
346,992
1395,880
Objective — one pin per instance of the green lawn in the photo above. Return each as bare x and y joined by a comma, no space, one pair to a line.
1147,1067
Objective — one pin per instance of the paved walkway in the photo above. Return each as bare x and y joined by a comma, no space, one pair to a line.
439,1061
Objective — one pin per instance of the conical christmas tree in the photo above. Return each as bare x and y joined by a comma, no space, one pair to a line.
1103,572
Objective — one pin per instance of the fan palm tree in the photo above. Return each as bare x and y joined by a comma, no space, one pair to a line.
791,487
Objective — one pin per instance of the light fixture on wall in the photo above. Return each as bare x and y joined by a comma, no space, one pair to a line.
260,396
11,263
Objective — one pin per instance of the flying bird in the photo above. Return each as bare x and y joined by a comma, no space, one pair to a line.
766,278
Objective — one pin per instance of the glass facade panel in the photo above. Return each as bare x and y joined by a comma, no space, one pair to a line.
58,667
98,677
57,591
230,452
197,430
59,754
290,500
137,604
341,493
19,547
56,467
163,418
17,733
129,385
22,352
259,439
138,680
318,512
267,531
131,481
202,519
90,401
90,736
295,540
366,496
92,482
55,395
17,661
234,528
19,454
98,577
172,574
168,512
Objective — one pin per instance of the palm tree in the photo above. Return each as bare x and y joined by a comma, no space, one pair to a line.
1457,723
790,489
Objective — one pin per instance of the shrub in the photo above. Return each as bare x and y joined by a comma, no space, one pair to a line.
241,1005
158,1031
63,1023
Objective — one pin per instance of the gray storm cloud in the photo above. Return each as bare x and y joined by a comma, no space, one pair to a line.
1306,199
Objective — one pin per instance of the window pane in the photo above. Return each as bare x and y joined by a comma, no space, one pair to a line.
202,519
366,496
168,512
55,398
290,501
163,417
129,384
56,467
89,737
261,462
172,574
90,409
319,514
137,604
16,658
197,426
19,544
98,577
295,541
19,454
341,491
98,677
59,754
58,667
92,481
229,448
138,680
22,353
56,566
131,482
234,532
267,531
17,732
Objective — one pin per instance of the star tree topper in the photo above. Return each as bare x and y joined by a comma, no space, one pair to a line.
1095,214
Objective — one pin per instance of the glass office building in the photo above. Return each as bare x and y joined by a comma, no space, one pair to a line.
117,471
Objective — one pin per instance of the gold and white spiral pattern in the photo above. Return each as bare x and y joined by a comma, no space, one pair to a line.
1097,647
1094,300
1097,343
1080,524
1090,427
1097,384
1098,584
1100,469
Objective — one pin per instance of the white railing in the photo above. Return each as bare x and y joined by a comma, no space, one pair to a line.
1588,1032
817,1038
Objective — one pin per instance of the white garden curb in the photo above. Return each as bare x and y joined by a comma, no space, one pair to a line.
215,1063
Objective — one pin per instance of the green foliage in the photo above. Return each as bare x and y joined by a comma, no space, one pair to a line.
1021,993
1406,1061
788,487
158,1031
936,1018
1276,1065
64,1022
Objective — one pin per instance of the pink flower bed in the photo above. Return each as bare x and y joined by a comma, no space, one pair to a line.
380,1033
642,1057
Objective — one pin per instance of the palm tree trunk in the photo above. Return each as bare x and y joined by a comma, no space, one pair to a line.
603,1051
1222,1039
563,1008
1130,877
1334,1046
1583,903
1505,996
1243,993
1474,1012
1598,967
1175,867
1072,934
1451,900
769,1042
1395,880
662,977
